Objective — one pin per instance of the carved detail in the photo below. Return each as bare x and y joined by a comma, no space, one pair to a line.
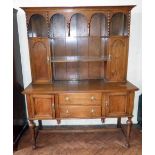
108,24
38,41
129,20
48,24
27,23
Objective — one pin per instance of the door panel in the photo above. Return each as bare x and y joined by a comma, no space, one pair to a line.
42,106
40,65
116,104
116,68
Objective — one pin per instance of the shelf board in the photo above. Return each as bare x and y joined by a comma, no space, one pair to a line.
80,59
59,37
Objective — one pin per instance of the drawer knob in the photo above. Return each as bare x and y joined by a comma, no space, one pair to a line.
67,111
92,110
67,98
106,103
93,98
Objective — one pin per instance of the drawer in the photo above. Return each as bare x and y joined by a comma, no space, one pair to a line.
80,111
80,98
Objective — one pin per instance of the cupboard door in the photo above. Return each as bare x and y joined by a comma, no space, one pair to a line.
116,104
42,106
40,60
116,68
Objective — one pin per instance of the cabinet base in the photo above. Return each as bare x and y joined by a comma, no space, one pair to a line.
83,129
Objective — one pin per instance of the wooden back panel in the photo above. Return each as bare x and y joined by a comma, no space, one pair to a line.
79,43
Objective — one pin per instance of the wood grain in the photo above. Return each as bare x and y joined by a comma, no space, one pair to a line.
74,111
94,85
42,106
39,54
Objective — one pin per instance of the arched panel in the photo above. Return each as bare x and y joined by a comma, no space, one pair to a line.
78,25
39,52
118,25
58,26
98,25
117,64
37,26
116,68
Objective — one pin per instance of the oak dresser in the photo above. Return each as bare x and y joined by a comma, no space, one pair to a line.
79,58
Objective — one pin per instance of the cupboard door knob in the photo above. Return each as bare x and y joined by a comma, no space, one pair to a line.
93,98
66,98
109,57
92,110
67,111
52,105
48,59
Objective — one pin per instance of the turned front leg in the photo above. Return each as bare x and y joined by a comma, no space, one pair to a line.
129,124
33,133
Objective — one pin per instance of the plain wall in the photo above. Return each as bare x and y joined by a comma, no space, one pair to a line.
135,47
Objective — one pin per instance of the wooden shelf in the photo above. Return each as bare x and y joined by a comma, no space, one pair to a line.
80,86
59,37
80,59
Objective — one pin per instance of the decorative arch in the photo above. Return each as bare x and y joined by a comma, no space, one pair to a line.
37,26
119,24
58,25
78,25
98,25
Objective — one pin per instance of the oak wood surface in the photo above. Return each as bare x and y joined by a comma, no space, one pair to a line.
118,50
39,54
116,104
74,111
79,31
79,86
42,106
80,98
95,84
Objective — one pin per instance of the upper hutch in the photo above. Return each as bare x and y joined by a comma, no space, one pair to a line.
79,58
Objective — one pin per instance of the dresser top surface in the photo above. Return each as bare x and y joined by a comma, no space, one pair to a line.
128,7
80,86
